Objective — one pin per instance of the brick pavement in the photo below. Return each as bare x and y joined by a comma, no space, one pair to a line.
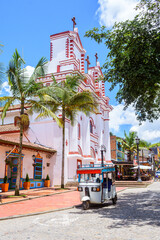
42,204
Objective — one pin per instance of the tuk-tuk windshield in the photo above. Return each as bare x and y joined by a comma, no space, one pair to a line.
91,178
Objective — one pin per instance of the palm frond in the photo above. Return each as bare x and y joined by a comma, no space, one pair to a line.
45,112
8,103
73,81
39,70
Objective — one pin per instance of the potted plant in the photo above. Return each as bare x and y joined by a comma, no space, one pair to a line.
47,181
26,184
5,184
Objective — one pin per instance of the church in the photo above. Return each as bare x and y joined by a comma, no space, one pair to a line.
42,142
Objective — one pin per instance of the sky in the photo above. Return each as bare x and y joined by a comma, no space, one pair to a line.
28,24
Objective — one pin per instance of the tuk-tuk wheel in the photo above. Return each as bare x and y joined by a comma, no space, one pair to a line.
114,200
85,205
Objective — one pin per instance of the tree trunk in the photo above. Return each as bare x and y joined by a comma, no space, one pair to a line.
63,147
20,154
130,156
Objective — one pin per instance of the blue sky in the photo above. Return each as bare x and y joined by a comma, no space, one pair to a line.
28,24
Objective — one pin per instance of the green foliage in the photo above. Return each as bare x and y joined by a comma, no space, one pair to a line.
27,178
134,59
144,144
24,91
5,179
128,143
155,145
47,178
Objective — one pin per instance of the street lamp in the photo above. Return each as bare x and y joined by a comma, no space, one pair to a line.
153,163
103,149
137,142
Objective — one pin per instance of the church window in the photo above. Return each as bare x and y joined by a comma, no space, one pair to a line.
79,131
91,127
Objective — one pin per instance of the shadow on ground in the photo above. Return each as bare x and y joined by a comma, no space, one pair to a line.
142,208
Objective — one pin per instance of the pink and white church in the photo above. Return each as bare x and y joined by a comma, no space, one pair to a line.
42,143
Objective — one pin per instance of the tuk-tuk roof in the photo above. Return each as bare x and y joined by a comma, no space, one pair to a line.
97,168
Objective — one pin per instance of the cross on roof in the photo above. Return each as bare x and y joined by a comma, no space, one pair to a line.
74,22
88,62
96,57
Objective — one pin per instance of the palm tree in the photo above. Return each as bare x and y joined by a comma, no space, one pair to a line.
128,143
67,100
23,91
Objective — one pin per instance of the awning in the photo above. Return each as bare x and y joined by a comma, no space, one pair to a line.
142,167
127,163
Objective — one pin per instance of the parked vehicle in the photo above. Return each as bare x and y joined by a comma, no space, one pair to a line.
157,174
96,184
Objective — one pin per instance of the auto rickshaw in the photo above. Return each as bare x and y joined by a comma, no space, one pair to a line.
96,184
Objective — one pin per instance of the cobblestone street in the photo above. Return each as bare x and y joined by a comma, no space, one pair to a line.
135,217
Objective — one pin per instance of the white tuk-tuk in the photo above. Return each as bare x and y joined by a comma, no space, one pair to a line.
96,184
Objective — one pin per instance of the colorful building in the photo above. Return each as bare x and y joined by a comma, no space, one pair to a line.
42,145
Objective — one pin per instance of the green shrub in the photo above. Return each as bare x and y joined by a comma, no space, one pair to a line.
5,179
27,178
47,178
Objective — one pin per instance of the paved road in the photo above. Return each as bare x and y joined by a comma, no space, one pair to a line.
135,217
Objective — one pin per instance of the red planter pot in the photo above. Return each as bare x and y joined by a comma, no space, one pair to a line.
26,185
5,187
47,183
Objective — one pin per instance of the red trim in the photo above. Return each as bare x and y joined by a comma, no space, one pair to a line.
15,131
56,34
88,171
73,153
58,68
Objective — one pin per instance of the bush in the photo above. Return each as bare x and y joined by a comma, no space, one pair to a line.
27,178
47,178
5,179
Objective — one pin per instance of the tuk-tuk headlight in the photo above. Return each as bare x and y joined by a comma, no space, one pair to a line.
95,189
80,189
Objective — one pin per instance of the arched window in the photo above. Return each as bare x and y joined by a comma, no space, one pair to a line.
92,151
79,131
91,126
80,150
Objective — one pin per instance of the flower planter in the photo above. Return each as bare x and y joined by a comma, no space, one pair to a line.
47,183
26,185
5,187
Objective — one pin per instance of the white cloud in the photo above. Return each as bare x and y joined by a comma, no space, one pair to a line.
111,11
5,87
149,131
120,117
29,71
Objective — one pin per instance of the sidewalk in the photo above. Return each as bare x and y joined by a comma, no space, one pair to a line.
40,201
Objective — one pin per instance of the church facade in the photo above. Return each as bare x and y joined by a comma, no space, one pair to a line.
42,144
